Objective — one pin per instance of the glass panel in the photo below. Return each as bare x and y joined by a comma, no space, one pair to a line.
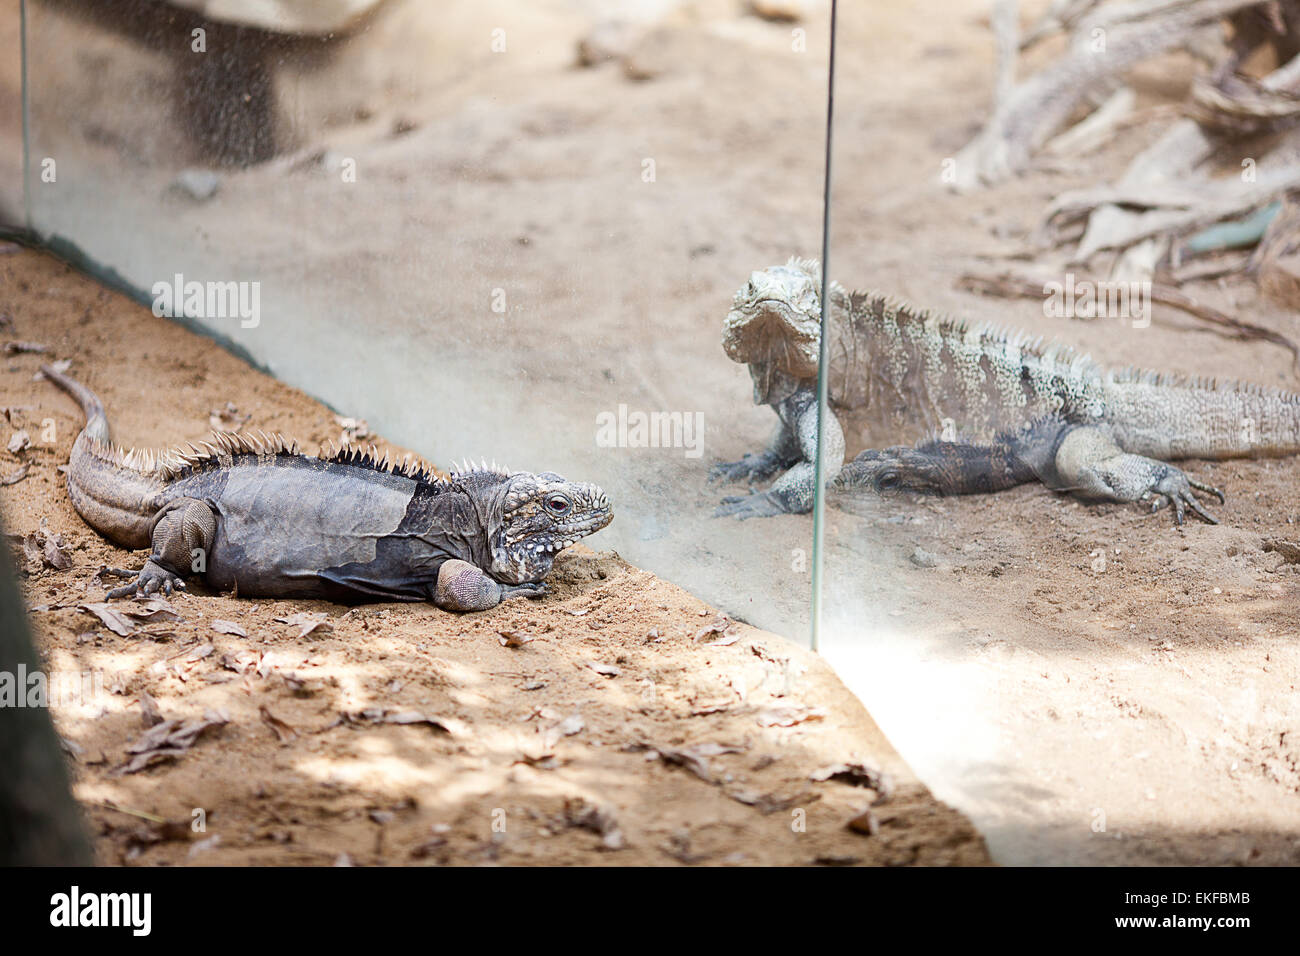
507,231
1084,680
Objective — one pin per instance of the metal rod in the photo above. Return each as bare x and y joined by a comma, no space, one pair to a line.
823,372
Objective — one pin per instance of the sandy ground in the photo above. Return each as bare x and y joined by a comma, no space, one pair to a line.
400,733
1136,710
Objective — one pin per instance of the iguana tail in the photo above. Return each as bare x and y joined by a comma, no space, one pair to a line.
1171,417
116,491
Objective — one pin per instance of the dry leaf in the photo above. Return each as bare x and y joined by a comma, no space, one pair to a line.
151,714
702,710
787,715
228,627
55,555
542,762
725,641
150,609
766,803
604,670
440,724
598,819
306,623
177,733
716,749
429,847
353,429
514,638
865,823
269,662
168,740
200,652
227,419
856,775
203,846
240,662
679,847
283,731
16,476
19,441
721,625
568,727
686,758
113,619
164,831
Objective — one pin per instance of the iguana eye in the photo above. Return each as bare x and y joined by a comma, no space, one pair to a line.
557,504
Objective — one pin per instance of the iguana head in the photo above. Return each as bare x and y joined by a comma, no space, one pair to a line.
775,320
541,515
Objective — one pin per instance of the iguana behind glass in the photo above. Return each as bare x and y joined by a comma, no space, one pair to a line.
1004,408
254,515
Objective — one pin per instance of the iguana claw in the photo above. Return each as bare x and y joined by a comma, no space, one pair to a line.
1176,488
751,468
762,505
531,591
151,578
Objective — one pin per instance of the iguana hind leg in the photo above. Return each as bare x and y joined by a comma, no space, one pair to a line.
1090,463
945,467
181,528
1082,459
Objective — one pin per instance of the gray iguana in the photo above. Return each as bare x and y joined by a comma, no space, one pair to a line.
1002,408
267,521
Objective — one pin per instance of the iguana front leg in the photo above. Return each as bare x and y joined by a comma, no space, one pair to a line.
793,492
782,452
463,587
1090,463
182,527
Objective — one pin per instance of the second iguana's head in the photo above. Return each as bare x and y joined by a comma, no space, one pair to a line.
775,319
538,516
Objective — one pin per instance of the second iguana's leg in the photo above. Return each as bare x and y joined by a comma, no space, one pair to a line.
182,528
940,468
793,492
782,451
1088,462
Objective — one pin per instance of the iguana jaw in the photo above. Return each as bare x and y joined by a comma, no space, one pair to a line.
541,516
776,319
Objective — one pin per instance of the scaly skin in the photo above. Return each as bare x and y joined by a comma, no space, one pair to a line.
1001,409
251,514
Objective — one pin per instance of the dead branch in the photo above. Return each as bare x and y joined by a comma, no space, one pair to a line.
1103,45
1009,285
